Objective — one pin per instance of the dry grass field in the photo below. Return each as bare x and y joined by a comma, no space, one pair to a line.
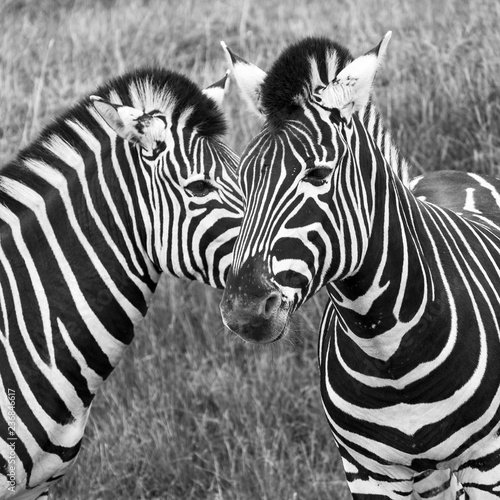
192,412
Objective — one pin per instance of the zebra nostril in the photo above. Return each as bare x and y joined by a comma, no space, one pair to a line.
271,304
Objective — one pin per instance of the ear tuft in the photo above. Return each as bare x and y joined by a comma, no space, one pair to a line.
218,90
350,90
129,123
231,57
249,79
381,49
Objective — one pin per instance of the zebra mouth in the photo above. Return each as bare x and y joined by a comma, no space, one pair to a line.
277,338
281,334
261,333
283,319
260,330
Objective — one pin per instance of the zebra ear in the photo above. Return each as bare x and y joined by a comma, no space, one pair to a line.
129,123
218,90
249,79
350,90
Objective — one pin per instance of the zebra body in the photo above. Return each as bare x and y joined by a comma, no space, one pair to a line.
409,344
127,184
476,197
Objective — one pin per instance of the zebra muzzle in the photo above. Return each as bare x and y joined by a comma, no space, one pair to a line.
258,319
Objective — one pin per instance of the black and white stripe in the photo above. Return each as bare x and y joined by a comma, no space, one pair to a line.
409,344
129,183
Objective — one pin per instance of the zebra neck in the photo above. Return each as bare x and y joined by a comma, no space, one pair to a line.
390,294
382,137
73,267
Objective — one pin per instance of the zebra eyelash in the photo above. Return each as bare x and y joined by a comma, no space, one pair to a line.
200,187
318,175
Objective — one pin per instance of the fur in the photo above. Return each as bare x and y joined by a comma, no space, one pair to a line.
173,94
297,73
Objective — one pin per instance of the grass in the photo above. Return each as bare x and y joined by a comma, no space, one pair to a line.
191,412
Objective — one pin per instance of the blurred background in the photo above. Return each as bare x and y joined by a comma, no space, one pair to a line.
192,412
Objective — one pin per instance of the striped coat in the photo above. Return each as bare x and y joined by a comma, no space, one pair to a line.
410,342
128,183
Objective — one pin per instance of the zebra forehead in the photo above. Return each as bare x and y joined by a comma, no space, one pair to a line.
286,150
296,74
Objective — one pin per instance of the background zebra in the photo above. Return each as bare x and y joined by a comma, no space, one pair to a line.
410,305
129,183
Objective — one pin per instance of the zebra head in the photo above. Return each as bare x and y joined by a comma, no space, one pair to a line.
185,177
307,216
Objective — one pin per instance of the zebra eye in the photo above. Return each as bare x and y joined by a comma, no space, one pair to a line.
317,176
200,188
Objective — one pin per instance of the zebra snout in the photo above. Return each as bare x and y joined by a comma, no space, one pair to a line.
255,319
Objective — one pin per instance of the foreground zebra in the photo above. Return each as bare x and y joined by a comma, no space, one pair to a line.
409,349
454,190
129,183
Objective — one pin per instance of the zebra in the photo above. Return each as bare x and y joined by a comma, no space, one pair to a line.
132,181
446,188
408,343
452,189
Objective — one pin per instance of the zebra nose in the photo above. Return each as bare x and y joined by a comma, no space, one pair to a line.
254,308
248,316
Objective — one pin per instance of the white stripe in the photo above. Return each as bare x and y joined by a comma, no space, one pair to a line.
484,183
470,204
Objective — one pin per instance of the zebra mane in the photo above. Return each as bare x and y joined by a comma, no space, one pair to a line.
149,89
301,68
299,71
169,92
